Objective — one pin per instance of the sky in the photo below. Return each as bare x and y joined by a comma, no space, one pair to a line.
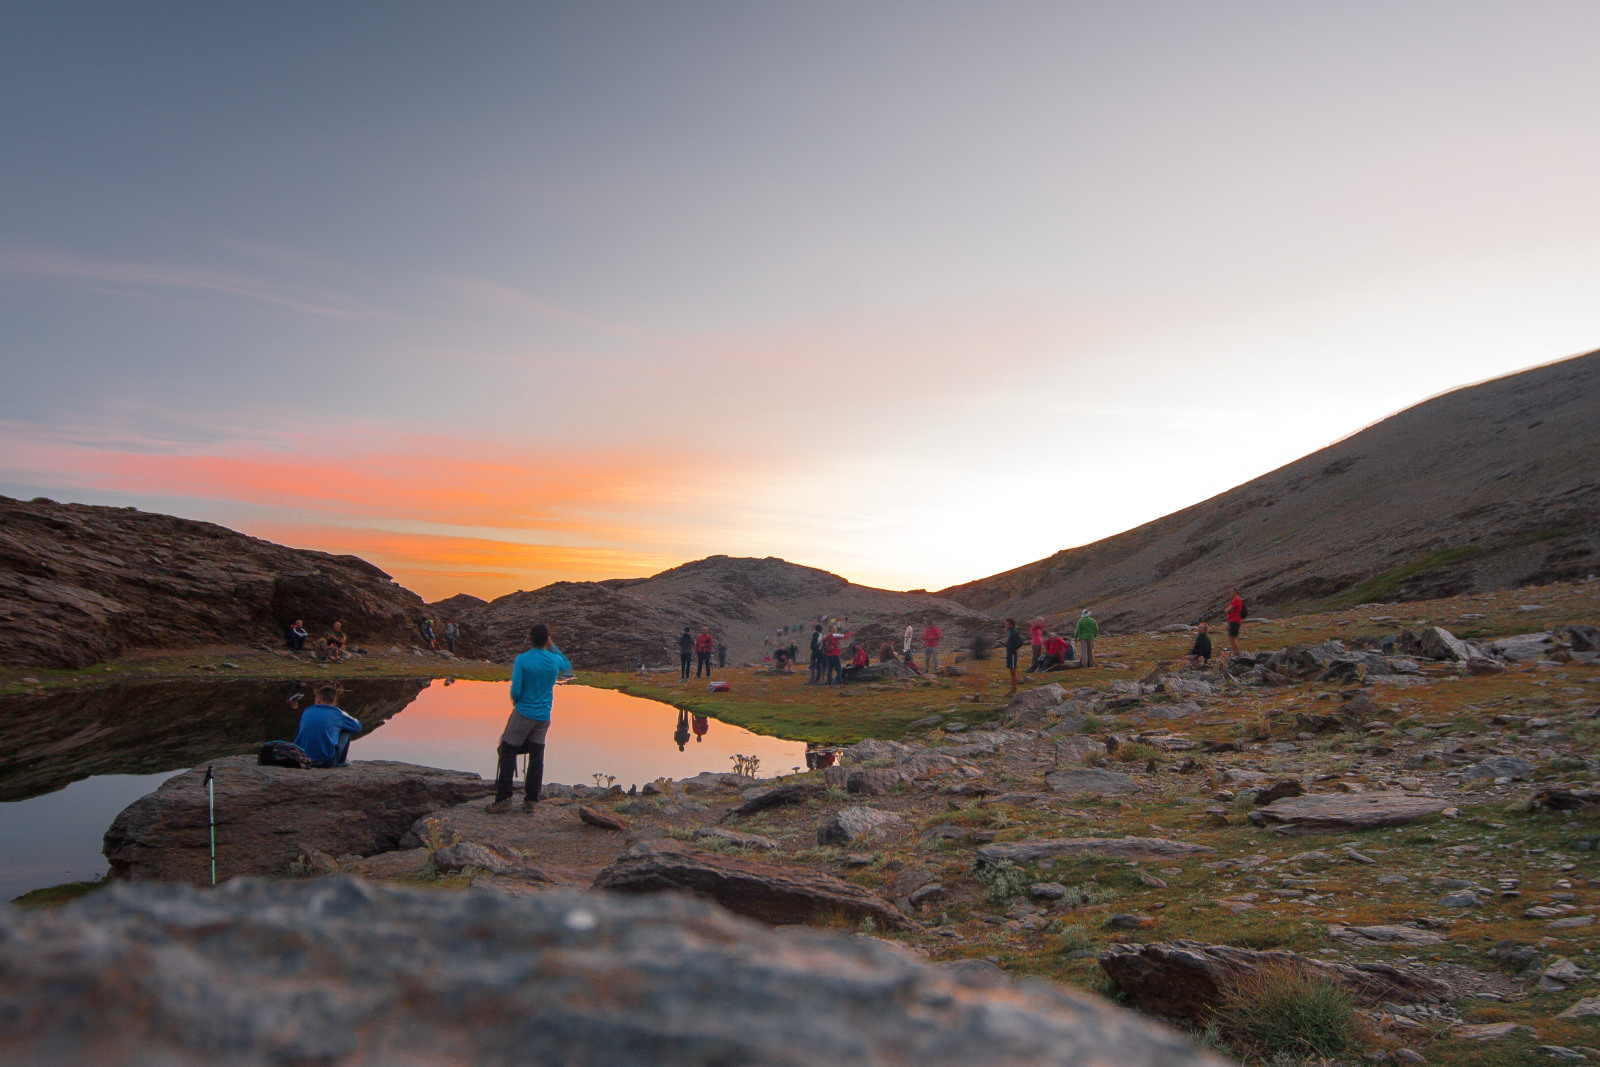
496,295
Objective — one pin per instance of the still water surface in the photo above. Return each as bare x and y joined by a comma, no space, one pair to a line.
70,762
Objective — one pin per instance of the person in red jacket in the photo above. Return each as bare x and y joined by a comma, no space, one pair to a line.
930,647
702,652
1055,653
831,654
1036,639
1235,620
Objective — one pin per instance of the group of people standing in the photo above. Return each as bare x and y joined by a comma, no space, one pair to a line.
452,632
699,650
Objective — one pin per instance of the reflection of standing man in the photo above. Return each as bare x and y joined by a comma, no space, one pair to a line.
681,734
700,728
702,652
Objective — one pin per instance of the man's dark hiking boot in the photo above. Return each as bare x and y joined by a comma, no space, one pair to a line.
529,805
499,807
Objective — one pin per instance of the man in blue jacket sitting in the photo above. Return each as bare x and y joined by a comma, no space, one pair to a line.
325,731
533,683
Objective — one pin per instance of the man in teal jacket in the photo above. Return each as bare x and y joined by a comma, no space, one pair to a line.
533,683
1085,634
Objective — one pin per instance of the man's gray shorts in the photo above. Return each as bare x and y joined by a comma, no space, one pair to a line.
522,731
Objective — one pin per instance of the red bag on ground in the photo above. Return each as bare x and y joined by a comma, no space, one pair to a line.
719,687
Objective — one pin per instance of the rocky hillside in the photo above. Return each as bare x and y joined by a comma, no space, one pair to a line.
623,622
82,584
1488,487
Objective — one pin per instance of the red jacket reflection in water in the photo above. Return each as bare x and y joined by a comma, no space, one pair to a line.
700,727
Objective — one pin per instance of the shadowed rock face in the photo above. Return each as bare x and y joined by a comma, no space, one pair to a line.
82,584
266,816
166,974
49,740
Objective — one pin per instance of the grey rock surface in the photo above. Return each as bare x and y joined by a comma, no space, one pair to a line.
336,971
1093,781
851,826
1333,812
1127,848
266,816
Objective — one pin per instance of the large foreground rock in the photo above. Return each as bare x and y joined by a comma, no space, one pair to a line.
1185,979
1126,848
776,895
1334,812
267,816
335,971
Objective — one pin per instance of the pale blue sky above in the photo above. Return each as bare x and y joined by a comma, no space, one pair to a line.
912,292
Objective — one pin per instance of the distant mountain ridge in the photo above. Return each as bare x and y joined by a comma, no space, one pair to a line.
1489,486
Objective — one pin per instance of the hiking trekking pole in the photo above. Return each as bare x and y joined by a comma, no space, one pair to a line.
211,805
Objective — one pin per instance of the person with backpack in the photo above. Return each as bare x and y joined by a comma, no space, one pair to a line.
1014,642
1236,615
1085,633
685,653
832,651
533,682
325,731
702,652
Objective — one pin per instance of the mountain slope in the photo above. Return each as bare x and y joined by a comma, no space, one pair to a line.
623,622
1490,486
81,584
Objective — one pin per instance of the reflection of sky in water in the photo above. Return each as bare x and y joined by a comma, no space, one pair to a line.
56,838
592,730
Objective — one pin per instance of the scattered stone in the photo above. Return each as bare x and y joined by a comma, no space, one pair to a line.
1487,1031
1329,813
1126,848
740,840
1047,890
1279,790
1561,973
1388,934
776,797
1184,980
851,826
1499,767
1358,857
1587,1008
875,781
267,816
1571,923
1131,921
603,819
465,854
1092,781
1464,898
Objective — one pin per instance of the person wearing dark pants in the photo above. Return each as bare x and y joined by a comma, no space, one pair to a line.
533,682
1014,644
685,654
702,653
325,731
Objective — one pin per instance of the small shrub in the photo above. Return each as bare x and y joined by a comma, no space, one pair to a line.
1135,752
300,868
1074,936
1286,1012
1002,880
1086,893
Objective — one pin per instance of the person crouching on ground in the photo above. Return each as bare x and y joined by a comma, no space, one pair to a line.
325,731
1201,651
533,682
1055,653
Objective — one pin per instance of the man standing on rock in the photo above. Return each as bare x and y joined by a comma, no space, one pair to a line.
931,637
325,731
451,632
685,653
533,686
702,652
1235,620
1085,633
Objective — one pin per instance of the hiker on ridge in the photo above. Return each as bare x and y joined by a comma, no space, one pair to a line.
533,682
1013,646
325,731
1085,633
931,636
1235,620
685,653
702,652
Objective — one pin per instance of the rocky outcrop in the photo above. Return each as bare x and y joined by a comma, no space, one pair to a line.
1184,980
56,737
777,895
849,827
82,584
1122,848
337,971
267,816
1334,812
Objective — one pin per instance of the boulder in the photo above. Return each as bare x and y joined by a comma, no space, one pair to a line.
876,781
851,826
465,854
1092,781
1121,848
1385,935
266,816
1032,706
1334,812
1182,710
1434,642
1278,790
776,797
1584,638
1184,980
919,764
1499,767
604,820
777,895
1523,648
337,971
1074,750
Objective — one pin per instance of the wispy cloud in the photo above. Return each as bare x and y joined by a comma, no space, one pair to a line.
44,263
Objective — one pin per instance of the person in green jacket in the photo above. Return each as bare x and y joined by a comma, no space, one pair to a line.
1085,634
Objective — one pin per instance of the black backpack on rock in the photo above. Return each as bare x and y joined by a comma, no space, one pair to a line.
283,754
